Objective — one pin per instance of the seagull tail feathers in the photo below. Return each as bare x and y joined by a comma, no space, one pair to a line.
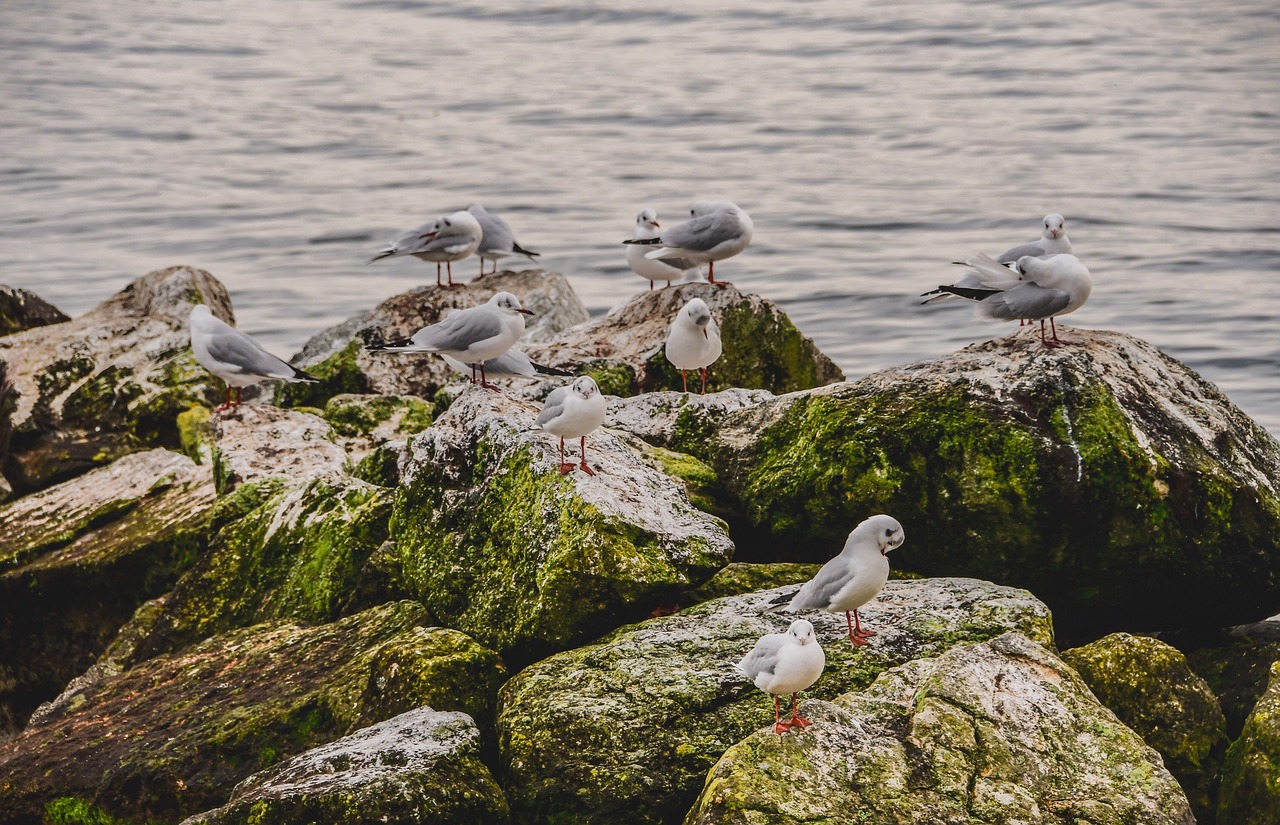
548,370
780,602
645,241
519,250
386,253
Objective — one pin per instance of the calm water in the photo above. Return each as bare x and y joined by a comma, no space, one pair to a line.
279,145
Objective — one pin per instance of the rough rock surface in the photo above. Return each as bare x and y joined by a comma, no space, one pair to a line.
362,423
495,541
110,382
680,421
78,558
172,736
338,358
626,729
623,350
420,768
1251,776
998,732
1235,661
22,309
1149,686
1106,477
254,442
742,577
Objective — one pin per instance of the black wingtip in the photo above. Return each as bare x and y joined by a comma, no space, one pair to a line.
546,370
519,250
389,345
304,376
646,241
972,293
380,256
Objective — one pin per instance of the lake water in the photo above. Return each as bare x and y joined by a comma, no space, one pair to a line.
279,145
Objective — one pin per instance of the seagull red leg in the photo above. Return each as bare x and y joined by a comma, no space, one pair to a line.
796,718
684,382
226,403
779,727
565,466
484,381
703,371
857,639
586,468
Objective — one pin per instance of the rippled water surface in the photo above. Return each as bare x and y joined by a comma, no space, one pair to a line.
279,145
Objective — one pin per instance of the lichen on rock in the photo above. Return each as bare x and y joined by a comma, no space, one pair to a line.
22,309
1250,793
680,421
254,442
361,423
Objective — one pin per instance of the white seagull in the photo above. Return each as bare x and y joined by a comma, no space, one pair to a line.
497,241
235,357
693,342
852,578
472,336
653,269
447,239
1035,290
574,411
782,663
1053,241
716,230
511,364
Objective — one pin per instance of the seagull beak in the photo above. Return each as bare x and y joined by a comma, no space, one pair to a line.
655,223
429,236
525,311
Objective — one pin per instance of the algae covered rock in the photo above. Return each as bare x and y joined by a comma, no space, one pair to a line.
623,350
1234,661
172,736
110,382
1149,686
626,729
1001,731
495,541
1106,477
678,420
1250,793
22,309
742,577
254,442
419,768
362,423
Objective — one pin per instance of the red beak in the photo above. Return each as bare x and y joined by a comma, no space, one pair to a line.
525,311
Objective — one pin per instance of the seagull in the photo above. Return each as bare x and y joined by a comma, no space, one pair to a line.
497,241
1035,290
693,342
511,364
852,578
472,336
573,412
1053,241
235,357
716,230
783,663
447,239
657,269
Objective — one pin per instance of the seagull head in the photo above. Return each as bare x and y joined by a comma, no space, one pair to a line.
456,223
710,207
1055,226
698,314
509,303
883,533
647,219
801,631
585,386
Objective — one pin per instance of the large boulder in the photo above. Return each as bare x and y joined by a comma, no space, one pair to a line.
1001,731
1234,661
78,558
623,350
679,420
22,309
255,442
172,736
419,768
1149,686
624,731
495,541
110,382
1251,775
1106,477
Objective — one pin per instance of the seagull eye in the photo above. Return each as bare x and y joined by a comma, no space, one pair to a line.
889,531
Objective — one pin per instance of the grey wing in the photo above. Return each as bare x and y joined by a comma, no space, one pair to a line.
460,330
702,234
448,244
410,241
763,658
1035,250
513,362
1026,300
498,236
241,354
552,407
817,593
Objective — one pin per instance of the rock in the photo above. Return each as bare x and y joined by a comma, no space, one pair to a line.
1250,792
419,768
625,730
110,382
78,558
495,541
741,577
623,351
8,403
22,309
1235,661
1106,477
1001,731
680,421
338,358
1149,686
362,423
254,442
172,736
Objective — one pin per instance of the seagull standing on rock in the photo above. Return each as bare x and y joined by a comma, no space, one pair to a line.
235,357
653,269
1053,241
693,342
447,239
497,240
851,579
472,336
782,663
716,230
574,411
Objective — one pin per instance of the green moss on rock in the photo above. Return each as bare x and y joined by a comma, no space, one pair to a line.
360,415
1251,775
339,373
195,433
612,378
741,577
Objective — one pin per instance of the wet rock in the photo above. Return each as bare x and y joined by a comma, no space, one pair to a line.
1234,661
419,768
110,382
22,309
362,423
623,351
495,541
680,421
1149,686
78,558
1251,775
172,736
1001,731
742,577
625,730
1106,477
254,442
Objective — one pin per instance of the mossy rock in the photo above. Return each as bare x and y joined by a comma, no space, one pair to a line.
1234,661
1149,686
1107,478
22,309
172,736
680,421
1250,792
625,730
362,423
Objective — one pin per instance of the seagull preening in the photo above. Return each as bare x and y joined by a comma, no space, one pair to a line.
447,239
1053,241
497,240
235,357
1036,289
716,230
852,578
653,269
693,342
782,663
511,364
574,411
472,336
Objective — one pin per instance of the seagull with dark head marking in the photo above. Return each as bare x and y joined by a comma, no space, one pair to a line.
1053,241
653,269
235,357
782,663
574,411
716,230
693,341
